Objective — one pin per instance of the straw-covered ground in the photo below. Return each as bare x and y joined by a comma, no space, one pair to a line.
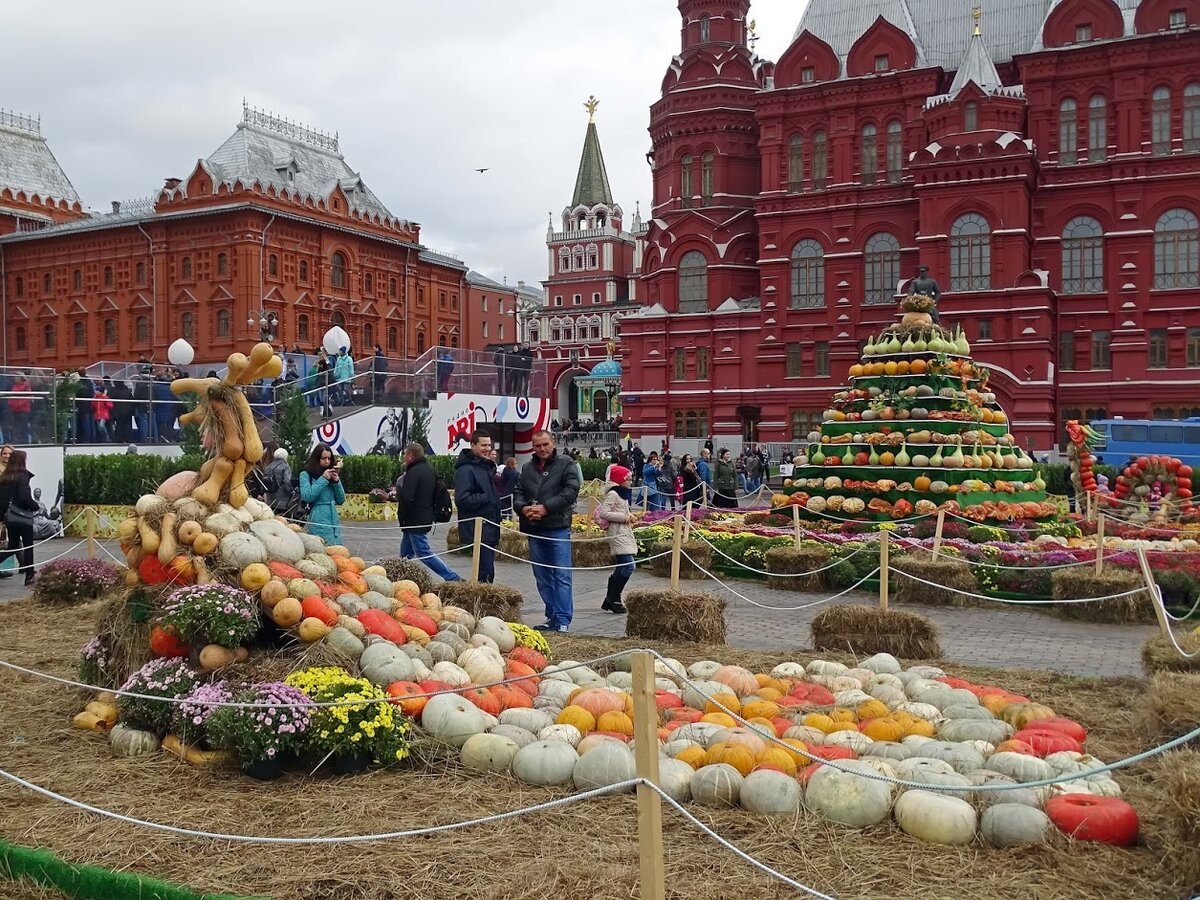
583,850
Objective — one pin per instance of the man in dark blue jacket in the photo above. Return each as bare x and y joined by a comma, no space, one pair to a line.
476,498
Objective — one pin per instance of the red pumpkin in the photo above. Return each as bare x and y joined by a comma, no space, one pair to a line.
529,656
433,686
1060,724
807,772
684,715
623,738
781,725
529,680
316,608
832,751
329,591
484,699
152,571
408,696
165,642
1046,742
667,700
376,621
1086,817
284,571
511,698
417,619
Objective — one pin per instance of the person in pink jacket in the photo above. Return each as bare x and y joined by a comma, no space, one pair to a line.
102,408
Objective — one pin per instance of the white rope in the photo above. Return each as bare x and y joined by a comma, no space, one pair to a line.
916,542
742,596
543,565
944,587
1174,618
832,564
49,559
1171,631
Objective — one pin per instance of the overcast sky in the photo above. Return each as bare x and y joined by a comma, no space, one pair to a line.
422,92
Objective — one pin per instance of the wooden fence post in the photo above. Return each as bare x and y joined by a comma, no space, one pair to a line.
1155,599
883,570
475,548
90,514
1099,543
676,548
687,522
937,534
645,733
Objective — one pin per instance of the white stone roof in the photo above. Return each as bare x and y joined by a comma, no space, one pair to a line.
266,148
976,67
26,163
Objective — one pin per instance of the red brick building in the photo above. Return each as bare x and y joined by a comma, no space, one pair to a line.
273,222
592,285
1043,161
490,313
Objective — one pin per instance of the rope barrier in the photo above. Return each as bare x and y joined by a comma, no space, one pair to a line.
543,565
57,556
916,542
1128,593
1170,632
743,565
742,596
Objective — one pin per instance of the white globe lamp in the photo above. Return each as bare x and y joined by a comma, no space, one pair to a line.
335,339
181,353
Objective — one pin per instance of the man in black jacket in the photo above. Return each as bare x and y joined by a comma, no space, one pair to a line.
414,509
544,499
476,498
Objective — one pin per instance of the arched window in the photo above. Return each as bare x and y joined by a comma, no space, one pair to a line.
693,282
1097,129
882,268
140,273
273,265
706,179
368,337
223,329
1082,256
302,328
337,270
593,256
808,275
77,280
970,254
110,332
420,342
454,341
141,329
796,163
185,267
47,284
49,337
970,117
187,326
1068,133
441,340
338,319
705,30
564,260
1176,250
108,276
392,287
1191,118
19,337
868,154
303,271
578,253
820,161
79,335
368,284
223,264
1160,121
393,337
895,152
686,187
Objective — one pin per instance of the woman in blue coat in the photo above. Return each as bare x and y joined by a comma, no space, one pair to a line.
650,472
321,488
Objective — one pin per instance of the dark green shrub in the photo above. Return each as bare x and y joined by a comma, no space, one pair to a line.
362,474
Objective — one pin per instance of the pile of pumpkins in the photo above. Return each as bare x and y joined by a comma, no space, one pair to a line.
769,742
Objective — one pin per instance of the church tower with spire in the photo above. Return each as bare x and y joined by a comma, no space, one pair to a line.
591,285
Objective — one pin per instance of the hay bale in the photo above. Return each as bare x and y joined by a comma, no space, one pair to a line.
590,553
400,569
795,564
1173,707
701,555
867,630
1181,790
953,576
675,616
124,624
481,599
513,543
452,540
1078,582
1160,655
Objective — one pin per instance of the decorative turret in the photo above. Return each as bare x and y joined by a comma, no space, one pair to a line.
592,205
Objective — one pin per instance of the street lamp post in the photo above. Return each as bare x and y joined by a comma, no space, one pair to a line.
268,325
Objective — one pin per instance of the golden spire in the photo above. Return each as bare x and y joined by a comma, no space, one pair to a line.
977,13
590,106
753,39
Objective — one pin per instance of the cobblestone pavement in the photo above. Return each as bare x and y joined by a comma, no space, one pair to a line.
996,636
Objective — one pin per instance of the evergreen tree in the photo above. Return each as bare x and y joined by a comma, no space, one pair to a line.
418,428
292,428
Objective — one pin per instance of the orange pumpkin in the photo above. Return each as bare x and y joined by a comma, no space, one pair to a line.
731,754
693,756
717,718
578,717
484,699
922,483
615,721
728,701
316,608
284,571
597,701
871,709
403,692
760,709
527,685
511,698
272,592
775,757
746,737
529,657
354,581
883,729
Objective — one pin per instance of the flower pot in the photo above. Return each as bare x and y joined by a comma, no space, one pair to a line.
263,769
916,318
350,763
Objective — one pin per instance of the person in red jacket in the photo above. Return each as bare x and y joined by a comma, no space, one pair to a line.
102,408
20,407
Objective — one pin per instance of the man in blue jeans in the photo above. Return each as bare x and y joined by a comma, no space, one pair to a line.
414,501
544,499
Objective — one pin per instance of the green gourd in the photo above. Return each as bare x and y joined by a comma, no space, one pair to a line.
870,349
1038,483
848,457
961,347
920,345
936,460
902,458
893,346
955,460
908,346
873,459
817,458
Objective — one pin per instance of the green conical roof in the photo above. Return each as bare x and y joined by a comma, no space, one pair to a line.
591,185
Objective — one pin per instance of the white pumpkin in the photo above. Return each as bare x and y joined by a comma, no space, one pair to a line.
929,672
488,752
675,778
700,732
459,616
936,818
450,639
545,763
881,663
482,640
719,785
844,796
825,667
592,741
281,542
518,736
557,673
260,511
567,734
770,793
558,690
674,747
345,642
312,543
921,711
452,719
1019,766
622,681
890,750
697,694
608,763
451,674
961,757
883,678
482,664
549,705
855,740
383,662
376,600
845,683
703,670
242,515
885,767
793,670
806,733
1014,825
440,652
533,720
241,549
964,711
889,695
851,697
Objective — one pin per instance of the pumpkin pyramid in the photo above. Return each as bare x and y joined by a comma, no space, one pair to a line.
915,431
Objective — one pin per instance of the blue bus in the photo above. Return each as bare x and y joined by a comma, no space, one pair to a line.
1123,438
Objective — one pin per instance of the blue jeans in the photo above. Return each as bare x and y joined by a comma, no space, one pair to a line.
619,578
416,546
550,553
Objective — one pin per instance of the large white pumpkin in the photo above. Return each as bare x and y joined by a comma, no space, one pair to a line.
883,663
557,690
703,670
519,736
1019,766
846,797
719,785
483,665
451,674
855,740
383,662
498,631
991,730
452,719
1013,825
770,793
545,763
566,734
488,752
240,549
675,778
607,763
787,670
935,818
697,694
530,719
962,757
281,542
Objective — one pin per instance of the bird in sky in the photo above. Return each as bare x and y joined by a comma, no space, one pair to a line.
481,171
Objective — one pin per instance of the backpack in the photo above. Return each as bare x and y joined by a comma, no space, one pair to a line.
443,507
598,517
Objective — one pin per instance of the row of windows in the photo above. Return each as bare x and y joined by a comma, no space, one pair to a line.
687,184
691,423
795,359
1100,345
577,300
813,168
681,364
578,259
1161,125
